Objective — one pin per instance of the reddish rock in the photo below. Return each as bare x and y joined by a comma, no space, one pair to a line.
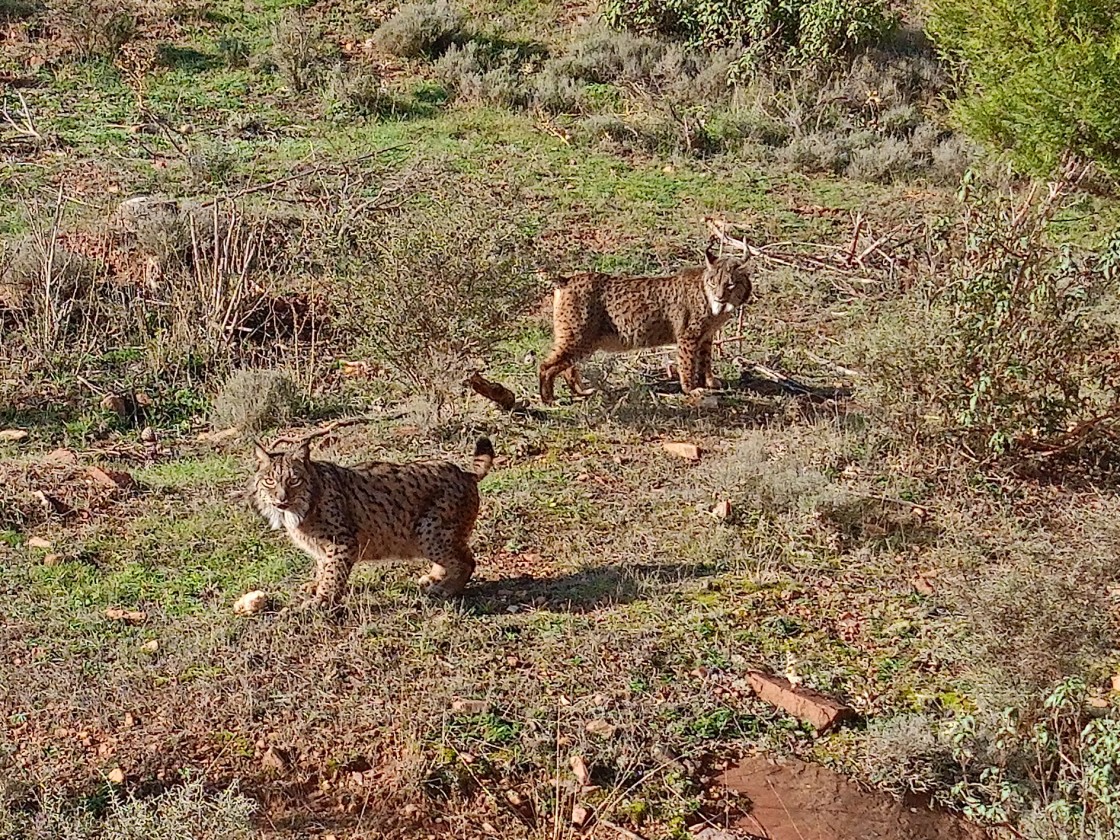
819,710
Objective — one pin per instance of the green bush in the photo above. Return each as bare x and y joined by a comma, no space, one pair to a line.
812,31
1040,76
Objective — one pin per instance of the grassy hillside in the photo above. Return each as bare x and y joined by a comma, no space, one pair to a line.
363,217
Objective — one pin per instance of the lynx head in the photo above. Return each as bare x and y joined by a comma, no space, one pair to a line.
727,282
282,485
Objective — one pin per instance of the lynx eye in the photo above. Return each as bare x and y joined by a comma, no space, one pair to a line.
296,481
268,482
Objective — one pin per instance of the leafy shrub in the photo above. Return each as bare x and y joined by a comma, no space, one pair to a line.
422,30
1054,773
1012,352
811,31
1040,77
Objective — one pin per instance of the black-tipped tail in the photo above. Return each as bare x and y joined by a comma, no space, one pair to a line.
483,457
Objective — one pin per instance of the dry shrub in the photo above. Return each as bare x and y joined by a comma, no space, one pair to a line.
97,29
297,50
422,30
189,810
255,400
448,273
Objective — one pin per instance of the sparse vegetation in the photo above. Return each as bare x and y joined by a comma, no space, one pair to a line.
269,217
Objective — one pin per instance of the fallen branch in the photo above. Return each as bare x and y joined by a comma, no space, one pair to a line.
493,391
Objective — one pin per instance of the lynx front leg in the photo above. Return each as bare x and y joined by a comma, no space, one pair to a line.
704,365
332,573
688,360
456,565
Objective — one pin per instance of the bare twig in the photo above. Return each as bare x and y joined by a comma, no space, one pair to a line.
26,124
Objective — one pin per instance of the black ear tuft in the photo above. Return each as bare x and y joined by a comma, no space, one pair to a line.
710,253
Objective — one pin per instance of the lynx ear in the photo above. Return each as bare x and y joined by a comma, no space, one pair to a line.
263,458
303,451
710,255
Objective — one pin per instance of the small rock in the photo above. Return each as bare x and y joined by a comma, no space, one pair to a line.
13,435
709,832
1116,683
127,616
722,511
688,451
114,479
581,814
61,457
251,603
221,435
819,711
579,767
150,647
116,776
38,542
601,728
115,403
469,707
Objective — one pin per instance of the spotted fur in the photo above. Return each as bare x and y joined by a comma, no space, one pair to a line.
373,511
599,312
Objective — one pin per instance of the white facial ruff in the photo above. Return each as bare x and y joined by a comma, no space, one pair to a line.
278,519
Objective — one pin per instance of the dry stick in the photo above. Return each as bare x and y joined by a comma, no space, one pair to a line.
338,424
297,175
855,237
618,829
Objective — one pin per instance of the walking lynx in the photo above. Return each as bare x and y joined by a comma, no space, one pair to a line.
600,312
373,511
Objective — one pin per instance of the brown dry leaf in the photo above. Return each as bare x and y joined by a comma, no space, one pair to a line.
116,776
688,451
601,728
62,457
129,616
580,815
579,767
12,435
38,542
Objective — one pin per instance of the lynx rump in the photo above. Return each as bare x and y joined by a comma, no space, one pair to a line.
599,312
373,511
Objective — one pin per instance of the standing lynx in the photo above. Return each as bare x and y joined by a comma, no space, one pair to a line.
341,515
599,312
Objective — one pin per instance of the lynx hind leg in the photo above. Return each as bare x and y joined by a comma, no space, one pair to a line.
560,361
575,383
457,565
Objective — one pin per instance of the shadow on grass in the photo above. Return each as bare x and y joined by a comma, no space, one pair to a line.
580,592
